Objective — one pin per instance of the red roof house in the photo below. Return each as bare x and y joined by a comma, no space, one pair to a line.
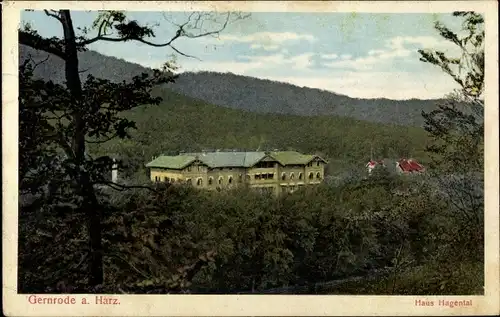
409,166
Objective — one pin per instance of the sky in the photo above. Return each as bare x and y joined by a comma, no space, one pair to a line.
361,55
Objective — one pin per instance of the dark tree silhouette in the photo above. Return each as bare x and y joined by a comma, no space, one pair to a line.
65,119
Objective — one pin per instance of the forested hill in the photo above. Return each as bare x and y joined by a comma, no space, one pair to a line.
246,93
259,95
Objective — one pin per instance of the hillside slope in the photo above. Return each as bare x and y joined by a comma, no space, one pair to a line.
182,123
245,93
253,94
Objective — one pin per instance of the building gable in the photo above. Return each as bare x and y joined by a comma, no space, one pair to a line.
317,158
266,158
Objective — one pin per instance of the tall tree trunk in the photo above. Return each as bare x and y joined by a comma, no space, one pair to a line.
90,204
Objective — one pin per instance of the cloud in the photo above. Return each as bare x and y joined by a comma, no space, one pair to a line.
265,47
423,42
299,62
268,41
375,52
303,61
268,37
373,75
396,47
329,56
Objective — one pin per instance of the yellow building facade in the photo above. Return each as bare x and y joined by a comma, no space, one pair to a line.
277,172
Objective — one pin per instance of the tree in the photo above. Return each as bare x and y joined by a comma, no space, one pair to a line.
457,127
68,118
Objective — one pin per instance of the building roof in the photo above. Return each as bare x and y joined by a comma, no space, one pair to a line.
175,162
230,159
410,165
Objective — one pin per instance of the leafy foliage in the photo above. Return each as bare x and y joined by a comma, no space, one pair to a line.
425,231
67,118
252,243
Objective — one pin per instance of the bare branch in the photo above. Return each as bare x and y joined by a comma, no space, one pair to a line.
85,70
53,14
102,141
183,54
181,32
35,64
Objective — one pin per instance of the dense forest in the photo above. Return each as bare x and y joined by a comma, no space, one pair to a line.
180,123
384,234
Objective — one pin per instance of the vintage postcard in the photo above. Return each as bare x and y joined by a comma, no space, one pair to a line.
250,158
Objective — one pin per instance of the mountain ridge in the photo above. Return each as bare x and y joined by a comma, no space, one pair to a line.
244,92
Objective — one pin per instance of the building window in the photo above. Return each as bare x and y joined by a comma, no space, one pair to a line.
270,176
309,164
230,180
283,176
292,176
300,175
311,175
317,163
220,180
210,181
199,182
189,168
188,181
257,176
165,179
265,165
156,178
318,175
248,177
199,168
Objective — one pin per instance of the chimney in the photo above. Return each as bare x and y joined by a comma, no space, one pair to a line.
114,172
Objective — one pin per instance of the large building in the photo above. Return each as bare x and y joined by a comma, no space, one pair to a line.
279,171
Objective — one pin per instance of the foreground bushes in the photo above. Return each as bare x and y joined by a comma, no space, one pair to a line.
178,239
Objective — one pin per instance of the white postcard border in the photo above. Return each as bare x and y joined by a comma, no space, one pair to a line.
253,305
